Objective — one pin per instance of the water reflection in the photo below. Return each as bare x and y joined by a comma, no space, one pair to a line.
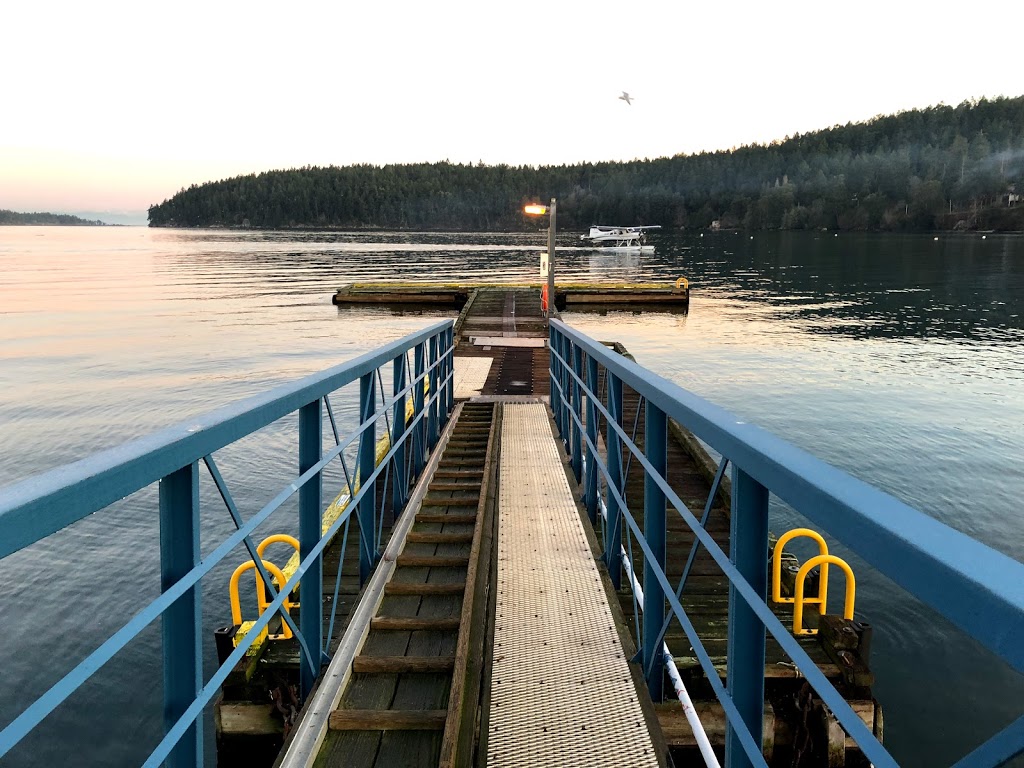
874,286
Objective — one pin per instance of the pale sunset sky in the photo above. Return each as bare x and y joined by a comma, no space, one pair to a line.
110,106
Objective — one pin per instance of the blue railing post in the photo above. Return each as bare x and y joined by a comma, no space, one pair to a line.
592,459
748,550
399,489
183,620
613,543
434,399
554,342
419,367
449,351
367,463
566,399
577,409
656,450
311,620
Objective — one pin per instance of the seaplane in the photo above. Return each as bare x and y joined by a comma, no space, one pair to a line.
619,238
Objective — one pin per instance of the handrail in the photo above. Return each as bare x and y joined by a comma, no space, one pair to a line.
979,589
38,507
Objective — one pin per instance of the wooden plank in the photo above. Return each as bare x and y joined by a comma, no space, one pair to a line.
463,503
413,624
398,665
386,720
439,538
454,517
431,561
402,588
468,486
243,718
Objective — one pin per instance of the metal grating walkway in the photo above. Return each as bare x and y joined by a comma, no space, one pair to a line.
561,690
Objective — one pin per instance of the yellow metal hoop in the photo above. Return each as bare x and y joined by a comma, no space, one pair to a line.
277,538
777,566
798,608
261,598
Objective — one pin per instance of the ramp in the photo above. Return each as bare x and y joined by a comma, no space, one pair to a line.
561,690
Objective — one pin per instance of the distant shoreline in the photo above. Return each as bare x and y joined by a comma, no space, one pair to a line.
569,231
40,219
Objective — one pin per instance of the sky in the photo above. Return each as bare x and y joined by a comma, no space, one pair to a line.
109,107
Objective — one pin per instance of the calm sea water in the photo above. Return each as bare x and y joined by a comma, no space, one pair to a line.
899,359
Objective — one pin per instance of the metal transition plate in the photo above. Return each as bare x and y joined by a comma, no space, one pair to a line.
471,375
508,341
561,690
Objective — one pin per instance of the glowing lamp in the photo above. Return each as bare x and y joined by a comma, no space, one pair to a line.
535,210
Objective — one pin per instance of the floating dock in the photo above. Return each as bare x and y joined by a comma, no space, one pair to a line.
618,295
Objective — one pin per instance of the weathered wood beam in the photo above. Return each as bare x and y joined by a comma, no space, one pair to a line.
432,561
406,588
386,720
413,624
439,538
396,665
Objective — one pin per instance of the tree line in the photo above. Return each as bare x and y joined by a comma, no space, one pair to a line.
942,167
45,219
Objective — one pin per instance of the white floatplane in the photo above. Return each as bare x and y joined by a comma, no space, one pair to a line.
619,238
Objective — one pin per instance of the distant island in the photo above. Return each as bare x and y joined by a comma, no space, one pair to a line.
940,168
46,220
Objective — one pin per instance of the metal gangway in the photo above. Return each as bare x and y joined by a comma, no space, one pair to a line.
573,432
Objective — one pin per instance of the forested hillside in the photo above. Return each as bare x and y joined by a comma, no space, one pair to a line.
936,168
46,219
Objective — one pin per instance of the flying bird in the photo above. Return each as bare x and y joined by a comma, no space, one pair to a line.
626,98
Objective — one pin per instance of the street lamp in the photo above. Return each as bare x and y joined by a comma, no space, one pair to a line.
547,297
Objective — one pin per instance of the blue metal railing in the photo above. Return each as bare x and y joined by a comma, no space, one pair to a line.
40,506
980,590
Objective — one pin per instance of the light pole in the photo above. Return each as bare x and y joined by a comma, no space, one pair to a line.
548,293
